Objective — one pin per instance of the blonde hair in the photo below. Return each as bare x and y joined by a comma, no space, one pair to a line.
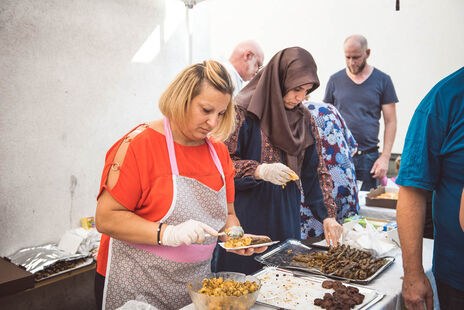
175,102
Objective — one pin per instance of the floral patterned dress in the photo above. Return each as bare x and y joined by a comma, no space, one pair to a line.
337,146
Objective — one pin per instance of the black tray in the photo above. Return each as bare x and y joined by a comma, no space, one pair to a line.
283,254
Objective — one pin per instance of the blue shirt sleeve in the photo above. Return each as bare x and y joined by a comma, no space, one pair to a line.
420,161
389,93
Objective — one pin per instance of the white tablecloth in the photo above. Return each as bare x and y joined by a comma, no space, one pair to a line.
389,282
381,213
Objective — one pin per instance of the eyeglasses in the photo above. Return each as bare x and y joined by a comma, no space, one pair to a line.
260,66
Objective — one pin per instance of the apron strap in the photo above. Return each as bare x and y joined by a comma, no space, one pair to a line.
215,157
170,143
172,153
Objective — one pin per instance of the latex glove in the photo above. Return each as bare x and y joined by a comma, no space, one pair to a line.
332,231
187,233
275,173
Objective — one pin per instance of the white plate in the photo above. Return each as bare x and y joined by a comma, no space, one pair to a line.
222,244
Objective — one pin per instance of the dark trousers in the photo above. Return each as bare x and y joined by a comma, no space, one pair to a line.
363,165
99,287
428,225
450,298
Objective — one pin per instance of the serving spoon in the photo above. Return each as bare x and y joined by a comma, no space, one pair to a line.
233,232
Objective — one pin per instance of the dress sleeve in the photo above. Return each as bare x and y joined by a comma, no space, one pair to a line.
243,167
420,161
313,198
325,179
317,181
127,190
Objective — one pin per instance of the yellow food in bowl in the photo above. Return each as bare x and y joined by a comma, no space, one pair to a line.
219,285
228,287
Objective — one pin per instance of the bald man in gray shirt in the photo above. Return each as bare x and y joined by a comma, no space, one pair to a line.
361,93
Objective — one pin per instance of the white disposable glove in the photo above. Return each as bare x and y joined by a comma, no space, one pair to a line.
276,173
187,233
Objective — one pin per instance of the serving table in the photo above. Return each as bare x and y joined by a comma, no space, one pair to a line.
376,212
389,282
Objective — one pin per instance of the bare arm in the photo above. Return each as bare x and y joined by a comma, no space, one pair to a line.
461,211
116,221
380,167
410,217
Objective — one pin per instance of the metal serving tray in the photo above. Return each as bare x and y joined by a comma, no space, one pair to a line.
282,256
281,289
87,262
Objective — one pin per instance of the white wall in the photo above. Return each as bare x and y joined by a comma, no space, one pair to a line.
416,46
69,88
71,83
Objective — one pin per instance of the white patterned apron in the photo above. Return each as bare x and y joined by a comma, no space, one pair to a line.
160,273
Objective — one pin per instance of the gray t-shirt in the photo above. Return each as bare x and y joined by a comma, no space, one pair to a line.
361,105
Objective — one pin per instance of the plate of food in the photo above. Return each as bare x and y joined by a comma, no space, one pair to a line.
246,242
283,289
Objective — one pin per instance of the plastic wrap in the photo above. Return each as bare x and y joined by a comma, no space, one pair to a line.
37,258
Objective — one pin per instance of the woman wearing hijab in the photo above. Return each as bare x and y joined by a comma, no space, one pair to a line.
274,137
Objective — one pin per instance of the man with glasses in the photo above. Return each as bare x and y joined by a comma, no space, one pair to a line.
244,63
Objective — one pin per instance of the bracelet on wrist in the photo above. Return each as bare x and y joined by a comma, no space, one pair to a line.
158,233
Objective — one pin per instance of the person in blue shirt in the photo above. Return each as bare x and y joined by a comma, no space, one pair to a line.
433,160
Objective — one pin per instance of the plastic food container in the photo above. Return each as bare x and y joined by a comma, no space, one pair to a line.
206,302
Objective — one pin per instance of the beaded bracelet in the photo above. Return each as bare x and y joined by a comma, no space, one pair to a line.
158,233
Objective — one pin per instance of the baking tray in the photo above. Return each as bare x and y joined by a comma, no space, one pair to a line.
282,256
281,289
87,262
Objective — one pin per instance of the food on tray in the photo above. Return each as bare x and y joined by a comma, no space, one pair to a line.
245,241
227,287
281,289
57,267
343,297
343,261
387,195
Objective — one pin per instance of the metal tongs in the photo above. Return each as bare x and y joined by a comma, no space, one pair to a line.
233,232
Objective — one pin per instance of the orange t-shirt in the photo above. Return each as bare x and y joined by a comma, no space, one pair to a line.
144,185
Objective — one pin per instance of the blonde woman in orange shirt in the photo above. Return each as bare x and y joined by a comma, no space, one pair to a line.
167,190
